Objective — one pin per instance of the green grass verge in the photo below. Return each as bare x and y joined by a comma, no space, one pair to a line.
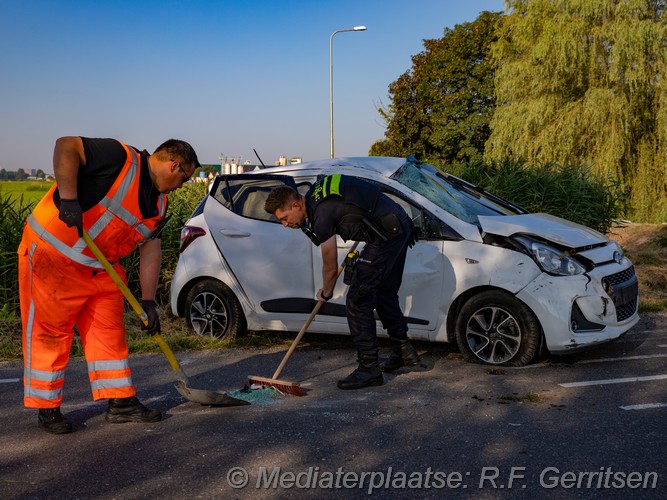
174,332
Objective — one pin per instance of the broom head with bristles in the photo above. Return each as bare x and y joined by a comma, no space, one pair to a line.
283,386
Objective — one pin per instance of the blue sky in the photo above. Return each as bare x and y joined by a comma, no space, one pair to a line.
228,76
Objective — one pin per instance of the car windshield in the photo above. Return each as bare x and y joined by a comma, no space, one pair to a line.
456,196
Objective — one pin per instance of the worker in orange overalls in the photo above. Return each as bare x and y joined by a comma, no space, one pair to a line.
118,194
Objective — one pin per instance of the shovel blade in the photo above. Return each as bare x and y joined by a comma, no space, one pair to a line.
208,398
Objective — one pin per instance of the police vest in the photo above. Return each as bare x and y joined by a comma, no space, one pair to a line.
359,199
115,223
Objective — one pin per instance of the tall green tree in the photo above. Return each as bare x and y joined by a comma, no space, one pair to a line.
584,81
440,109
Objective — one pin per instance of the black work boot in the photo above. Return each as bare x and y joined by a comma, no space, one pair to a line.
403,354
53,421
367,374
123,410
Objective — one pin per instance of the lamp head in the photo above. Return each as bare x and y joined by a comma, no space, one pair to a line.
359,28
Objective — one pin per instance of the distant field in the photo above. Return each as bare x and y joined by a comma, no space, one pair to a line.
31,191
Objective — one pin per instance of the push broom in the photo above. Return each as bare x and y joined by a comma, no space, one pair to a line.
286,386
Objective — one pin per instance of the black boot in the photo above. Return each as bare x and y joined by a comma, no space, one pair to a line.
123,410
367,374
403,354
53,421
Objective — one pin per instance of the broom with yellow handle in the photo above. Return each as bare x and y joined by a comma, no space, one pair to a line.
210,398
286,386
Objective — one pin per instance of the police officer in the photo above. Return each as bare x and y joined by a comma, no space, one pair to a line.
356,210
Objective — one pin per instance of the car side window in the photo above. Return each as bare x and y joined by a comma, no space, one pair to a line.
246,198
251,204
427,226
413,211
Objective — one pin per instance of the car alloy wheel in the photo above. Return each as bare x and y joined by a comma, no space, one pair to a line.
496,328
212,310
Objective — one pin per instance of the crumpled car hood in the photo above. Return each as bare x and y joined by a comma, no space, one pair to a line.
549,227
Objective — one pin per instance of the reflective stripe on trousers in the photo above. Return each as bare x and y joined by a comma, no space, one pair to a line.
57,294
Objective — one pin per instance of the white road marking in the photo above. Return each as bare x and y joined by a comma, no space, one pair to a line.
621,358
546,364
614,381
9,380
646,406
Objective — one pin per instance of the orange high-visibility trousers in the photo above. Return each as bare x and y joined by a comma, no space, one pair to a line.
57,294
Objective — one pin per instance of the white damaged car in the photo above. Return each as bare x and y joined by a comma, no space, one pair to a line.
501,283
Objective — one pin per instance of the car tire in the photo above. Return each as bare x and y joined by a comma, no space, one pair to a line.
496,328
212,310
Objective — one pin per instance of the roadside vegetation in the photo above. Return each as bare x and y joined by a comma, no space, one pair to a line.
571,83
568,191
646,246
28,191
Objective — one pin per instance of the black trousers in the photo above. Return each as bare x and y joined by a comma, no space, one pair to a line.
375,283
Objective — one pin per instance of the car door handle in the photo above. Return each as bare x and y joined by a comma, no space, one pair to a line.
233,233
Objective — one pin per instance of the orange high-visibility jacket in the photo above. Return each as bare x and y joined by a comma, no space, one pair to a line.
115,223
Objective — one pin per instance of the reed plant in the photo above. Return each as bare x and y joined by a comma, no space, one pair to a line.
14,210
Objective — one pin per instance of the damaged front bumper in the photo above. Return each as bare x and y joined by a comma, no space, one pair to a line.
595,307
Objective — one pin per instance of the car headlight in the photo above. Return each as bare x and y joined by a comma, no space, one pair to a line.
550,259
618,252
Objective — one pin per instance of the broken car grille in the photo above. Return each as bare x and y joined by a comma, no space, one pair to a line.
623,289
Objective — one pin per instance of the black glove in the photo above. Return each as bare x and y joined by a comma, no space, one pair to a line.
153,325
323,298
71,214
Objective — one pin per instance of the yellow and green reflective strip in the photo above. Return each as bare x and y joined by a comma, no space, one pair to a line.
331,185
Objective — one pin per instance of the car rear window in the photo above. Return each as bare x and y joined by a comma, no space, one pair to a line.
246,198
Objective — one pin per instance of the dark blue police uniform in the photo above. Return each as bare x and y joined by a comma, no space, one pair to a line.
356,210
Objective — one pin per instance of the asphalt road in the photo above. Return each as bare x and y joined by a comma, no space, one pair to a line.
592,425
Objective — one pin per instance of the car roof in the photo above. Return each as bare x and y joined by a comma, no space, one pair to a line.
383,165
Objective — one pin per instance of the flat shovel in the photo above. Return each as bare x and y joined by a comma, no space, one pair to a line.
209,398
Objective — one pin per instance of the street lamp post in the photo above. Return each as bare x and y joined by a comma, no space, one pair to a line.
331,126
